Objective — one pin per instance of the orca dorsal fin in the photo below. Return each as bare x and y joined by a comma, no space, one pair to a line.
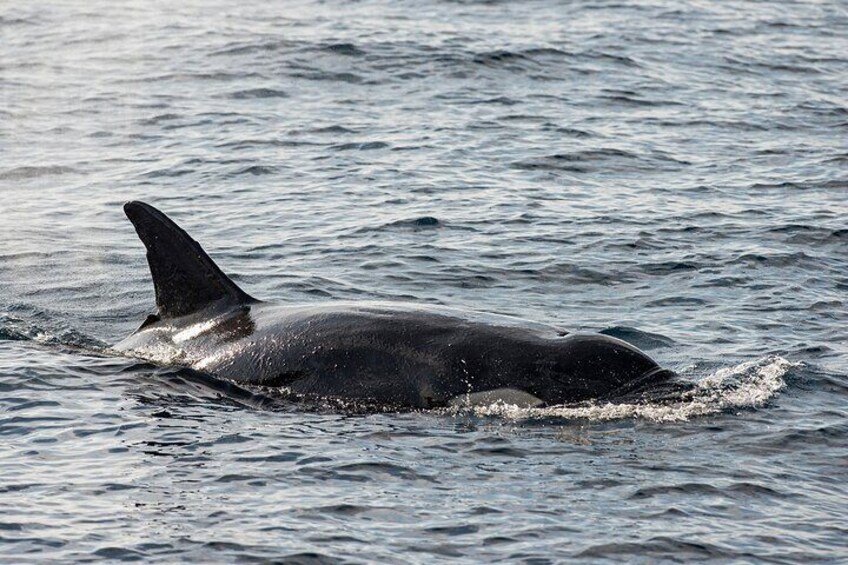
184,277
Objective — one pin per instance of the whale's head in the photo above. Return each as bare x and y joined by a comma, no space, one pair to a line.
601,367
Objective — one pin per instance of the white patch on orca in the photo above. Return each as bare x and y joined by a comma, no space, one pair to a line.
195,330
216,358
507,396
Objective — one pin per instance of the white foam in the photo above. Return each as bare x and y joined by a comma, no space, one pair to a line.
747,385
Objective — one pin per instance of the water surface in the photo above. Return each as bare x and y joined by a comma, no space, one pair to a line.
672,173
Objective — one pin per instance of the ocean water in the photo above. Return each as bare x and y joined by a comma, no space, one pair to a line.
672,173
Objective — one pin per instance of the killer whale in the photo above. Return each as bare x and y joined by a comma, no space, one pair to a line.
392,355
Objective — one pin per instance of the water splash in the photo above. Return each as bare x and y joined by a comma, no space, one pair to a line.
748,385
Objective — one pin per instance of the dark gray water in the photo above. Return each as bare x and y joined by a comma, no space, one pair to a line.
673,173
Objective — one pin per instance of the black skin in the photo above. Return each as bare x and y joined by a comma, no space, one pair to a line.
390,354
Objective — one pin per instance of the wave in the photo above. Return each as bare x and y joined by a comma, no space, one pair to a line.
13,328
257,93
31,172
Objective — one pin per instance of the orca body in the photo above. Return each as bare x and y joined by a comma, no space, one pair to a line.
393,355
